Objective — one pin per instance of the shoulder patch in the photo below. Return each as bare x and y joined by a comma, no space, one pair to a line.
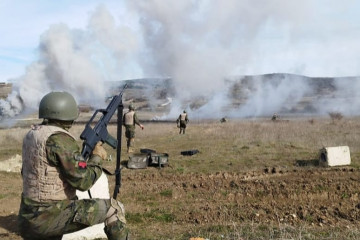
82,164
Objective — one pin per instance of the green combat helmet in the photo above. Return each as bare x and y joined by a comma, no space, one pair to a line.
58,106
131,106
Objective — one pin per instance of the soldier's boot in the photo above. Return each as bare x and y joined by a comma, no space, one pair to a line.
115,222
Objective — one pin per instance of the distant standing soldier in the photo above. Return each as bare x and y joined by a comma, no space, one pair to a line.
274,117
129,120
53,169
182,121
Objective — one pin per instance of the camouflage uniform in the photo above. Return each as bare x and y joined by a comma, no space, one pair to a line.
182,121
274,117
129,120
46,218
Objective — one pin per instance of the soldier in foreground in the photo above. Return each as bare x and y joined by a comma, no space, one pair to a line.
53,169
182,121
129,120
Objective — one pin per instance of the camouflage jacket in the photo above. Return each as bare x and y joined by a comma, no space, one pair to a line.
63,152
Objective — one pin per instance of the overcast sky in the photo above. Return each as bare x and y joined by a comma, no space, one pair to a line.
309,37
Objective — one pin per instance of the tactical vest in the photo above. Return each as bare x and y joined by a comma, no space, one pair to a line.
183,116
41,181
129,118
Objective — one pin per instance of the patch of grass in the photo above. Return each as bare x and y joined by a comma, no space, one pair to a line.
145,198
159,215
166,193
165,217
218,228
134,218
345,196
321,188
309,219
154,215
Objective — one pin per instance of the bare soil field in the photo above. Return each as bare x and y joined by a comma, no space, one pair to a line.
252,179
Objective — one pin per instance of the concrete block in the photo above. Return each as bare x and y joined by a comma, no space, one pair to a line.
99,190
335,156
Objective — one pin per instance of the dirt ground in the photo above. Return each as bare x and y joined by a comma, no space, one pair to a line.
173,203
318,197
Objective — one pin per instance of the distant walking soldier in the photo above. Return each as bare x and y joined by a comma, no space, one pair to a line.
129,120
53,169
182,121
275,117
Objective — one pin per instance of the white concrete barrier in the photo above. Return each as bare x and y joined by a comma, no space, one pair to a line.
335,156
99,190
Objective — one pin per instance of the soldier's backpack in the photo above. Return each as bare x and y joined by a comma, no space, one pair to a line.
138,161
189,152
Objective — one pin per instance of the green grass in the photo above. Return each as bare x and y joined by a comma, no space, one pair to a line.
166,193
156,215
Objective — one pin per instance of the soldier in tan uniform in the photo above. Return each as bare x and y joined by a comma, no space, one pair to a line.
53,169
129,120
182,121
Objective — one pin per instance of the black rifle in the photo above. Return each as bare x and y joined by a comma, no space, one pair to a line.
118,150
92,136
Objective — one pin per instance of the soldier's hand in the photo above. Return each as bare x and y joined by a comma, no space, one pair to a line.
100,151
142,127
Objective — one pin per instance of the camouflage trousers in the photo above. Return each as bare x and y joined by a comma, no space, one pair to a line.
130,138
182,127
51,221
130,131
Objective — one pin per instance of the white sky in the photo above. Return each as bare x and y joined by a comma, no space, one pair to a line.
309,37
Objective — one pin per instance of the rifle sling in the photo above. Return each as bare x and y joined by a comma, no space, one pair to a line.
107,172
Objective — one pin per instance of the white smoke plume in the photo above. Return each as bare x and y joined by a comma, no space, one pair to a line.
345,100
78,61
198,44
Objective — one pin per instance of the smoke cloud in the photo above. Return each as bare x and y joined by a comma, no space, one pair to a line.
75,60
200,45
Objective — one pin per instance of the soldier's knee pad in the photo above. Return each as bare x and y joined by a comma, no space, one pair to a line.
117,231
115,213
